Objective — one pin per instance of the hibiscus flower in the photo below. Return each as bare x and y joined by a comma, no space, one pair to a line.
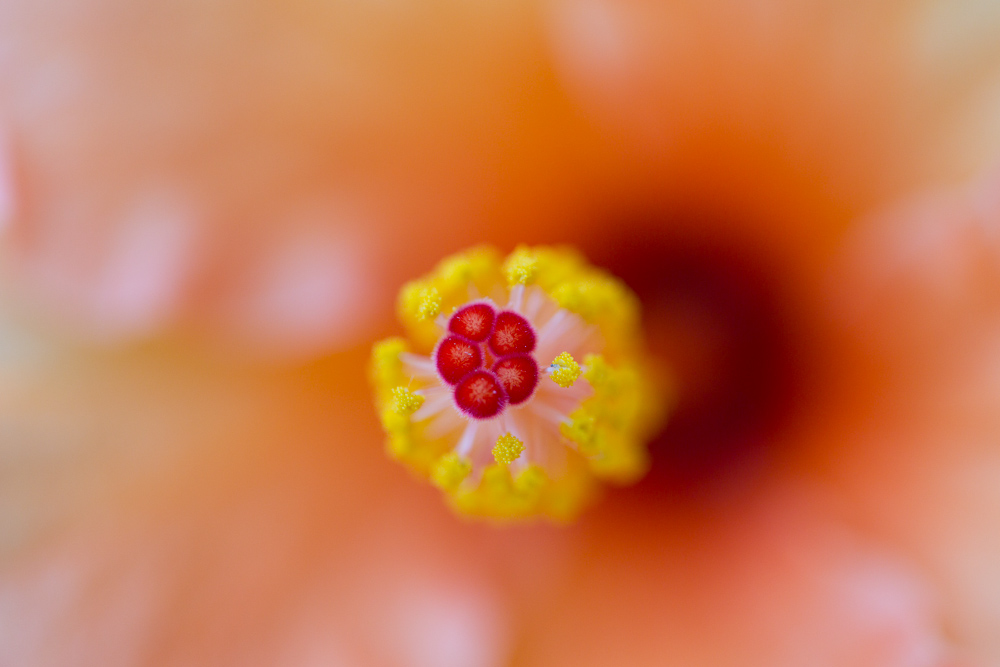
208,208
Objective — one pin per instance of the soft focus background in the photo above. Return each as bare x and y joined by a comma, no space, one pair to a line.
206,207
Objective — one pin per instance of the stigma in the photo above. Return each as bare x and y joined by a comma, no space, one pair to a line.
522,383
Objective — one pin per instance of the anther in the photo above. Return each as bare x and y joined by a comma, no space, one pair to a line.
420,301
430,304
564,370
508,449
406,402
450,470
521,267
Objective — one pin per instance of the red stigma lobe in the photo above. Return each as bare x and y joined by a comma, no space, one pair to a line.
512,334
474,322
456,357
480,396
518,375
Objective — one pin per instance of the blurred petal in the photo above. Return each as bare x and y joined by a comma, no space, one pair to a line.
310,285
925,471
870,97
228,514
771,578
247,111
6,183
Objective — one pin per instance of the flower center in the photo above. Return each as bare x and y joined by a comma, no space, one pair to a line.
487,358
520,408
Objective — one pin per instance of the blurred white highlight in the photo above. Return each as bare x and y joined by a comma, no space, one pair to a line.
149,263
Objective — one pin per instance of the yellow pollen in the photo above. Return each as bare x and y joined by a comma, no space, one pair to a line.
476,265
386,369
531,481
430,304
449,471
520,267
581,429
405,402
420,301
564,370
597,372
507,449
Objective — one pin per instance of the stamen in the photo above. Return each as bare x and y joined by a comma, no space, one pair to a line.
596,371
550,414
535,301
420,301
386,369
437,401
418,365
580,428
521,267
430,304
449,471
508,449
564,370
468,437
406,402
516,297
554,326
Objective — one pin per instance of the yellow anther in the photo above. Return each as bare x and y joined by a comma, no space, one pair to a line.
564,370
531,481
409,298
457,272
585,297
419,301
581,429
567,295
385,353
386,369
520,266
450,470
399,445
430,303
619,459
405,402
507,449
393,421
598,371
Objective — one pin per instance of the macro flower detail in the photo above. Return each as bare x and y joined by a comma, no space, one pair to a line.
521,384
